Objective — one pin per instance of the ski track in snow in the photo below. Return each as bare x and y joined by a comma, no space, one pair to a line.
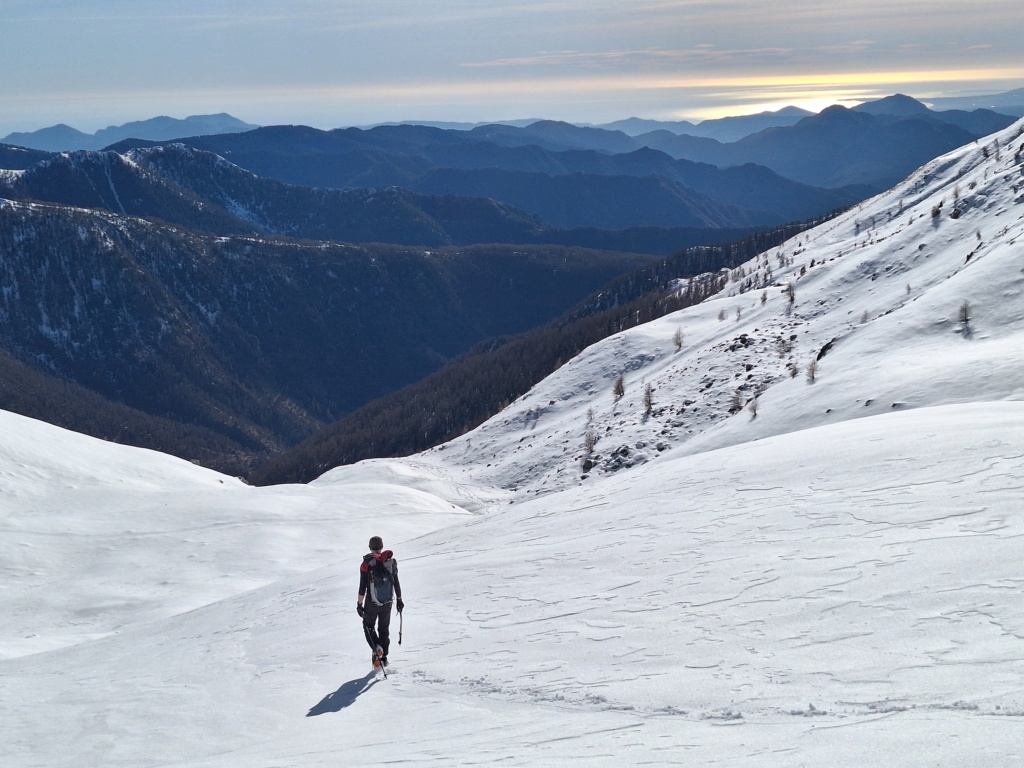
835,580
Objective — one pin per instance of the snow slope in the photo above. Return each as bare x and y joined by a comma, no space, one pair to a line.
877,293
835,580
99,537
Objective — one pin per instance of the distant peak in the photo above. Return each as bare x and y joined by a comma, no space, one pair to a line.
898,104
792,111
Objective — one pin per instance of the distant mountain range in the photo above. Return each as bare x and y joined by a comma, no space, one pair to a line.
876,144
200,190
60,138
1008,103
723,129
852,152
451,187
564,185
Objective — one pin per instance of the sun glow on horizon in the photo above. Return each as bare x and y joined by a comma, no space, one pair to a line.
738,108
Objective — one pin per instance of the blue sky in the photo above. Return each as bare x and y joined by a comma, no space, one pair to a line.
94,63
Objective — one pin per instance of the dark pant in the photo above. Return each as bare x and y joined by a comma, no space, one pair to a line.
379,615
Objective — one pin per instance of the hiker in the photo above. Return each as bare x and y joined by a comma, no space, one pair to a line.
378,586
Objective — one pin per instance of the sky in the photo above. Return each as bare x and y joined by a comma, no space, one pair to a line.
95,63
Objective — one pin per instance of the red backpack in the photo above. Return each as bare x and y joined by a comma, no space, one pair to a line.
381,567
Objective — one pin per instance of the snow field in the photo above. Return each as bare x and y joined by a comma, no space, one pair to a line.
694,609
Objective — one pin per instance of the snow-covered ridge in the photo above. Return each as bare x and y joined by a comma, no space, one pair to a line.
877,295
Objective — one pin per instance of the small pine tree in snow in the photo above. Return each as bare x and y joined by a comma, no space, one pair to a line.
589,441
721,315
648,398
964,315
752,407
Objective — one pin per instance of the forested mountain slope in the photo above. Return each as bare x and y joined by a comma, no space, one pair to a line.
261,341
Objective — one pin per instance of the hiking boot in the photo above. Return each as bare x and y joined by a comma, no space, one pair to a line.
383,661
375,660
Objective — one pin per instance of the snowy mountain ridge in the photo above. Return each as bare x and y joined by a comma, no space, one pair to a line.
833,581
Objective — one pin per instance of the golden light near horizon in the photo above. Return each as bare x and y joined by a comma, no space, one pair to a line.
739,96
699,97
751,89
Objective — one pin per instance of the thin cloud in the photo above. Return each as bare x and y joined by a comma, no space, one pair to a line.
698,54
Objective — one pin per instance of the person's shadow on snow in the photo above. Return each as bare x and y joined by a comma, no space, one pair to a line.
344,696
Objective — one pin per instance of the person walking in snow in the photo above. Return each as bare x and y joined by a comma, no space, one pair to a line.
378,588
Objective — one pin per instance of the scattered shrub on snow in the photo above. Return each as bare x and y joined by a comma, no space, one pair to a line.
677,339
812,371
736,402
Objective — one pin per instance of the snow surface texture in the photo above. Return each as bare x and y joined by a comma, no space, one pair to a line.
834,580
